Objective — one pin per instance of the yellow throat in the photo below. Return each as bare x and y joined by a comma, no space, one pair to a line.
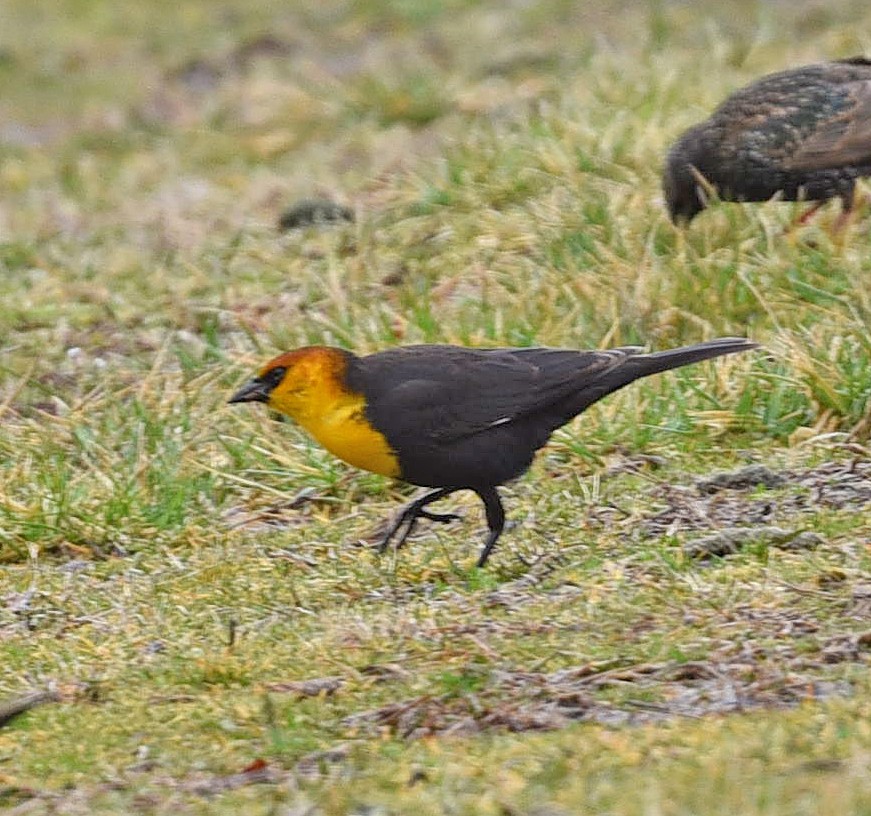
313,394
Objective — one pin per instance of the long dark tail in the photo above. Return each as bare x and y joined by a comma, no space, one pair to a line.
634,366
642,365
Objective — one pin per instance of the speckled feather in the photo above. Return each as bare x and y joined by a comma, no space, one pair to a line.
804,133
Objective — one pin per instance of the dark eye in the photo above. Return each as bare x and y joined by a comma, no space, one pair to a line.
274,376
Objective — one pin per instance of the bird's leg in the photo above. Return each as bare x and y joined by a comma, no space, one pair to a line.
848,208
441,518
411,513
806,216
800,220
844,218
495,521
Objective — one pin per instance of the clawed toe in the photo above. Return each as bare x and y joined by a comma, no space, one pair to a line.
401,519
441,518
410,515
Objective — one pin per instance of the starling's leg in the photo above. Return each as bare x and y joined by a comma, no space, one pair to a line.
800,220
806,216
495,521
848,201
410,514
844,217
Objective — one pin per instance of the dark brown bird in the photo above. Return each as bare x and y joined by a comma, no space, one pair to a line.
803,133
449,417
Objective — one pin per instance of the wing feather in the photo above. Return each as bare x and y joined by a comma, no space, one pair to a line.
443,394
842,140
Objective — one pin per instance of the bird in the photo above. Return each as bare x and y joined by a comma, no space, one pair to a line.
803,133
451,417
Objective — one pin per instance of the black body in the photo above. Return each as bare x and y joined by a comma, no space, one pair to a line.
803,133
464,418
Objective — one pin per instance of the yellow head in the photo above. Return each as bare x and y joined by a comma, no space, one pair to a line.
310,386
299,383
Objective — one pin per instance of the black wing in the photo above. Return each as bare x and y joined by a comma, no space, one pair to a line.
447,393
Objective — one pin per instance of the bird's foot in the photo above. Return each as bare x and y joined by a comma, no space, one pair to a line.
441,518
409,516
489,543
404,517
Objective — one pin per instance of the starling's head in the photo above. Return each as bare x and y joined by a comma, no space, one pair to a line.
684,195
684,183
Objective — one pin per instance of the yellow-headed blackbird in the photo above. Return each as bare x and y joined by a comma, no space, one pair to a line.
804,133
449,417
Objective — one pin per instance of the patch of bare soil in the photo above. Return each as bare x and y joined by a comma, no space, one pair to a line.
734,679
778,499
274,515
731,539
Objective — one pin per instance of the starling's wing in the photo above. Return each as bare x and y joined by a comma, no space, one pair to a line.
441,394
841,140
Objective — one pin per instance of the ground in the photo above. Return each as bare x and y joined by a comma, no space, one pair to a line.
192,616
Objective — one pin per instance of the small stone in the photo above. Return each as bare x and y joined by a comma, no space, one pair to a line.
314,212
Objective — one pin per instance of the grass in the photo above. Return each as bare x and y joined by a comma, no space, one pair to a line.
180,572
